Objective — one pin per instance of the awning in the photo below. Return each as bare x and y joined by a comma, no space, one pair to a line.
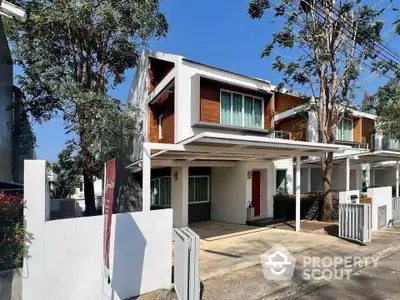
211,146
369,157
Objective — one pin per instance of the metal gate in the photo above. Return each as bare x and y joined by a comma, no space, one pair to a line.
186,266
396,209
355,222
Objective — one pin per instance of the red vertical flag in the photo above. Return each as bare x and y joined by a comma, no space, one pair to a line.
108,209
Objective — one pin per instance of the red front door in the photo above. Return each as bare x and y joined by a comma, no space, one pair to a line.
255,192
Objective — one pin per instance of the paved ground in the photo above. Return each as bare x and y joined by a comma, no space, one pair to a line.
230,265
370,283
249,283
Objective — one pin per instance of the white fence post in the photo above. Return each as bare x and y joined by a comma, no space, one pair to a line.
355,222
36,212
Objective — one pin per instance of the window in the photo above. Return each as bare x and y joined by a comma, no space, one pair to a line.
281,181
199,187
241,110
161,191
344,130
199,190
160,127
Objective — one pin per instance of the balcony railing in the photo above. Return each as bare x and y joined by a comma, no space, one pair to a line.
357,145
280,134
384,143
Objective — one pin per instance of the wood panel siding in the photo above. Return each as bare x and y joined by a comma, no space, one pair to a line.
284,102
357,125
210,94
269,114
296,125
158,69
166,108
367,130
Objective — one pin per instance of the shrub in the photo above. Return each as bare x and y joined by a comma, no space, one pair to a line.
310,209
11,231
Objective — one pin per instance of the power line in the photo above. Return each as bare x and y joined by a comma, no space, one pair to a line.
359,61
351,38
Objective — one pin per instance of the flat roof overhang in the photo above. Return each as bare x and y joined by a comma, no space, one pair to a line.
208,147
365,158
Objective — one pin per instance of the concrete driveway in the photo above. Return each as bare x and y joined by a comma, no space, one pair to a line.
226,247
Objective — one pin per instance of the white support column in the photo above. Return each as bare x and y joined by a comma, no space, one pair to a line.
309,180
36,212
180,196
347,174
397,179
146,177
298,180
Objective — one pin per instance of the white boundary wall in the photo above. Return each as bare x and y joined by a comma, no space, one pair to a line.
64,259
380,197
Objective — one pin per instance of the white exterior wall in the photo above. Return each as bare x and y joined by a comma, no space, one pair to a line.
285,164
187,95
180,196
230,194
380,197
64,258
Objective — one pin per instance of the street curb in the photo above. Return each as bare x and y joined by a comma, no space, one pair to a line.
300,290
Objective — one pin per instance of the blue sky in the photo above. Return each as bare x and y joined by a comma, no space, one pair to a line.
215,32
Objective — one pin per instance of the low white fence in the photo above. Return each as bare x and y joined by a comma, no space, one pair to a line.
355,222
64,258
396,209
186,267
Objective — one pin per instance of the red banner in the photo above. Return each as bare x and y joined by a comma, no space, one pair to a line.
108,208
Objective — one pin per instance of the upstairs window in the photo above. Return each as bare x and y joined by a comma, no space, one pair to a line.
344,130
241,110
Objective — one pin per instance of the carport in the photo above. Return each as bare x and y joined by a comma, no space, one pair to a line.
221,150
370,158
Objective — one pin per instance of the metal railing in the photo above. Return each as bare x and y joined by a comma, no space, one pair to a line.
384,143
355,222
396,209
186,266
280,134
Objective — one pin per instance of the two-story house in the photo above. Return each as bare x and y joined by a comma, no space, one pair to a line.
233,155
373,156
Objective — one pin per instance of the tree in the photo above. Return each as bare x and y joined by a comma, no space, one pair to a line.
67,170
332,40
72,53
367,105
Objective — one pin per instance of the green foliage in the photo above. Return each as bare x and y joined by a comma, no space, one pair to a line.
11,231
72,53
67,170
387,101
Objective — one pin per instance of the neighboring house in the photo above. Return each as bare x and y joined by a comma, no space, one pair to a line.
15,129
6,86
232,155
372,154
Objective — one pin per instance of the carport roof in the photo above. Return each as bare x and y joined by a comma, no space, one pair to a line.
211,146
371,157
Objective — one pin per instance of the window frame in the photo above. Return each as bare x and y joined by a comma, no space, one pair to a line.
243,95
352,124
208,188
158,179
276,180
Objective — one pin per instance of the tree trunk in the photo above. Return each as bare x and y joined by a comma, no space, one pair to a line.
327,166
89,194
